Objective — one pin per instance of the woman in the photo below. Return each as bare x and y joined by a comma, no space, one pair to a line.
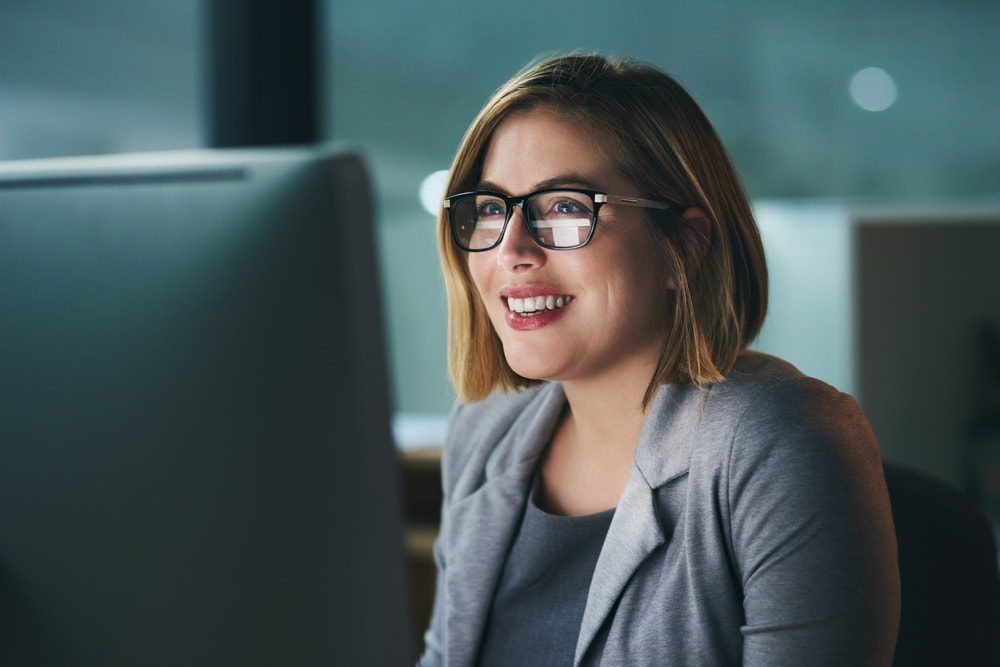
624,483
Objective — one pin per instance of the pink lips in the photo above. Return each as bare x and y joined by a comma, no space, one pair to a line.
530,289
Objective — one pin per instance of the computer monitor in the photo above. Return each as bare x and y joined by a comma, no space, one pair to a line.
196,465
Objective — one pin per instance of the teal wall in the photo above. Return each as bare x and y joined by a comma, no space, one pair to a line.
403,79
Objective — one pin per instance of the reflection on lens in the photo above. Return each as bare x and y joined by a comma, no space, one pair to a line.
478,220
562,219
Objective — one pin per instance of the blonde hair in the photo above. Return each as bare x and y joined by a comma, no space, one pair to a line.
660,140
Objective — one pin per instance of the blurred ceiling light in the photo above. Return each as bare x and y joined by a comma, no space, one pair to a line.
432,191
873,89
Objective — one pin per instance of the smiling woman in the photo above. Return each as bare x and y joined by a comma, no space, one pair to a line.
536,148
624,482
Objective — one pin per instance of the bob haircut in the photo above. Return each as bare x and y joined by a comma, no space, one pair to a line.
659,139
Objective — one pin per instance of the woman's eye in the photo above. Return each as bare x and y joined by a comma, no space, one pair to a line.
491,209
566,206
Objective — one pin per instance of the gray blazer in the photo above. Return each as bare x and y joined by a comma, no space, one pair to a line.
754,528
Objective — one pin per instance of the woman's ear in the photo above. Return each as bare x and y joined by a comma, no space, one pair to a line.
701,225
701,228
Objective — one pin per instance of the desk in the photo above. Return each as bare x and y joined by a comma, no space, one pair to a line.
422,497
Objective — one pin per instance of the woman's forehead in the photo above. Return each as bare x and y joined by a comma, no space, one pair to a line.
542,148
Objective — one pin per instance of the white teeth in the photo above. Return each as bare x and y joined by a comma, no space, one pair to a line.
537,303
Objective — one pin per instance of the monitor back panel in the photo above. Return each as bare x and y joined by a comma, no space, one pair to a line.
195,460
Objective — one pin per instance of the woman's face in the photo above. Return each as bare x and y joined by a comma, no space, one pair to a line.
617,292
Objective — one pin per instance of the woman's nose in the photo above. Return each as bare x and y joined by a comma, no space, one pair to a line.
518,250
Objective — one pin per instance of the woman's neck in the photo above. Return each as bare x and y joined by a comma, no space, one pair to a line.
605,415
589,458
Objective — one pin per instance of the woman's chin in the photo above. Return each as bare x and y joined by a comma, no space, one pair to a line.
534,368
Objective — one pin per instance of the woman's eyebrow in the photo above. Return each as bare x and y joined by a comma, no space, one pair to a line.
564,181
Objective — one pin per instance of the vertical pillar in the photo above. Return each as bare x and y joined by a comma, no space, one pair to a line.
261,72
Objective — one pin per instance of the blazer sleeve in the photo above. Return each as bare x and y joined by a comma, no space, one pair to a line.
812,531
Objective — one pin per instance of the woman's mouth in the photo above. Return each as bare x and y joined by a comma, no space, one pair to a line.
534,305
534,312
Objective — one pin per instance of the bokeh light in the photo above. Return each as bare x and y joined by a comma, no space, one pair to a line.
873,89
432,191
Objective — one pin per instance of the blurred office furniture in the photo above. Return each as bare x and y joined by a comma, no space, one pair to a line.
948,569
885,304
983,447
261,72
422,494
196,465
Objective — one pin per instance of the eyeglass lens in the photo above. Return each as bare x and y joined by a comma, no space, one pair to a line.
557,219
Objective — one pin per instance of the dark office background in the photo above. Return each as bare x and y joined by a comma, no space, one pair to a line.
789,85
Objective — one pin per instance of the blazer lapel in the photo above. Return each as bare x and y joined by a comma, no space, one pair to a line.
634,533
663,453
481,527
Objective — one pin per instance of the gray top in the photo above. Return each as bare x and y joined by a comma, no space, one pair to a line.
539,602
754,527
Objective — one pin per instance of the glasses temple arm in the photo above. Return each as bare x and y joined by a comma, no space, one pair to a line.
636,201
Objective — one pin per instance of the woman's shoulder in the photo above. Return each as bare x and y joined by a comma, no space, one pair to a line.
764,407
761,387
764,411
771,409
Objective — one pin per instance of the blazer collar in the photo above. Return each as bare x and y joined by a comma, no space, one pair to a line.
663,454
482,524
668,434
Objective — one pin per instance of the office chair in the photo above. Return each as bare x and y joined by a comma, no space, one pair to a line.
949,573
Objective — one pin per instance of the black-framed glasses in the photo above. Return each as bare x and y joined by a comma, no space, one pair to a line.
561,219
